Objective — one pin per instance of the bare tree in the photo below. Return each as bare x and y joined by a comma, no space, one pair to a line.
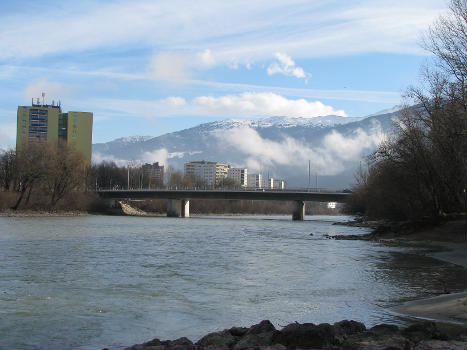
421,171
7,169
65,173
31,167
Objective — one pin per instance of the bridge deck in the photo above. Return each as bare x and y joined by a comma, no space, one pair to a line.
230,195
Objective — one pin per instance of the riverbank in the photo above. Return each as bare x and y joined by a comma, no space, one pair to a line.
445,242
41,213
341,335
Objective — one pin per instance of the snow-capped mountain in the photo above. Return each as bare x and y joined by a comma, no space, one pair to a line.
281,146
281,122
133,139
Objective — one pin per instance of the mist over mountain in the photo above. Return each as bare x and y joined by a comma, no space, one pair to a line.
279,146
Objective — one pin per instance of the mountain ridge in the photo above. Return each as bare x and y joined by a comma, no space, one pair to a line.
280,145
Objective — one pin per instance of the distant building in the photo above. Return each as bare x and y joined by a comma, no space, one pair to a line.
211,173
153,174
255,181
267,183
239,175
279,184
42,122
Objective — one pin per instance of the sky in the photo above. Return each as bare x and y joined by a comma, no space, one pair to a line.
153,67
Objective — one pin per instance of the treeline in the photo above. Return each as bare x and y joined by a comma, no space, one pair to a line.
42,177
420,171
109,175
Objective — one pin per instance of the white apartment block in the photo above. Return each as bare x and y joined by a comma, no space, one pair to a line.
239,175
255,180
211,173
267,183
279,184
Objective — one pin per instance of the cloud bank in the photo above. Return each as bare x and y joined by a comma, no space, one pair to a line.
251,104
331,157
246,105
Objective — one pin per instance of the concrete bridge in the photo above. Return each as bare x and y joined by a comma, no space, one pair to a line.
179,200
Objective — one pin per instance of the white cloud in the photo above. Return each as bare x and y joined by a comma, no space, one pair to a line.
332,157
175,67
350,148
158,155
98,157
174,101
251,104
244,105
169,67
206,58
286,65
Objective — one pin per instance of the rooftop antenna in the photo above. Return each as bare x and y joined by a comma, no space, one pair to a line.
38,101
32,101
43,98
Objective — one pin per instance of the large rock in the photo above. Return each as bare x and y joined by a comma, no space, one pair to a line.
350,335
259,335
217,340
306,336
156,344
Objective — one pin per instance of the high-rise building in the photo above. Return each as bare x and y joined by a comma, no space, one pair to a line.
239,175
211,173
279,184
42,122
255,180
267,183
153,174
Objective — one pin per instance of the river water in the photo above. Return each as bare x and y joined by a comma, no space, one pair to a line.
100,281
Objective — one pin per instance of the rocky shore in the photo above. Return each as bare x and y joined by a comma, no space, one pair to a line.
450,231
341,335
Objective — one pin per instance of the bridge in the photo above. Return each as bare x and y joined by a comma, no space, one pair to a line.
179,200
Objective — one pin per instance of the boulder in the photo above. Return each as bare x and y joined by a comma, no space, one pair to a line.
421,331
258,335
306,336
217,340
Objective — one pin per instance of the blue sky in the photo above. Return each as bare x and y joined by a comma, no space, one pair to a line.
152,67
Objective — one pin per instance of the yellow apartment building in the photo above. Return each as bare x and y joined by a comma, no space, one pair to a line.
41,122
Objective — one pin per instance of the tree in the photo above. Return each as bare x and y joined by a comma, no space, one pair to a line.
31,167
7,169
421,170
65,173
108,175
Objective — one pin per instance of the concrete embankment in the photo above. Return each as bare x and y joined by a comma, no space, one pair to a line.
340,335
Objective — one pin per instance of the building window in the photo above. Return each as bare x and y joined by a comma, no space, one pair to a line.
38,120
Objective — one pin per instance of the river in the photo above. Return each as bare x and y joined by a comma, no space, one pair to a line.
90,282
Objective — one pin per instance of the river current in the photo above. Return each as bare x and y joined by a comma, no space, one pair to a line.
91,282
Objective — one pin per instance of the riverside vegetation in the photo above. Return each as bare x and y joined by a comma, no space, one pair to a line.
419,172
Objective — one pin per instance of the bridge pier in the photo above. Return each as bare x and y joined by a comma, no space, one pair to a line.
299,211
178,208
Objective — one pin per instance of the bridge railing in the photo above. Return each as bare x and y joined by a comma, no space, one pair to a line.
246,189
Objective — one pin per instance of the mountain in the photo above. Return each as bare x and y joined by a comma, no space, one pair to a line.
279,146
